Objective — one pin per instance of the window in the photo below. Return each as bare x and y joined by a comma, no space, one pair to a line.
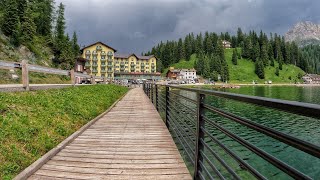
126,66
117,62
88,57
147,63
126,62
103,57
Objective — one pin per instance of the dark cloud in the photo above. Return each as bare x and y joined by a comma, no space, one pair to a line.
137,25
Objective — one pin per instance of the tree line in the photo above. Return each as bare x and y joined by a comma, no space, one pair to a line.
263,50
312,54
24,20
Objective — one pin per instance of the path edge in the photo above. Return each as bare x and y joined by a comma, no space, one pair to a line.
46,157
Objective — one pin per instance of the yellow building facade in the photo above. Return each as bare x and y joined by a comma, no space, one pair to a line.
103,61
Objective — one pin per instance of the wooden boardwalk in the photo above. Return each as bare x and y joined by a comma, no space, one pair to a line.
129,142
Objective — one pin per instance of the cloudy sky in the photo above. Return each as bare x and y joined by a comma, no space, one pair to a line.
137,25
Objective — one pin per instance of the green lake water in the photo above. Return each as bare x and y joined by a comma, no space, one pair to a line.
304,128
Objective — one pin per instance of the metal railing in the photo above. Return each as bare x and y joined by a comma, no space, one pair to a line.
188,122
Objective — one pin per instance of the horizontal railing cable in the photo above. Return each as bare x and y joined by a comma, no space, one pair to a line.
271,159
285,138
222,162
235,157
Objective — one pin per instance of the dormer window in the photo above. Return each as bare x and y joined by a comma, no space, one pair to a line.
99,48
87,52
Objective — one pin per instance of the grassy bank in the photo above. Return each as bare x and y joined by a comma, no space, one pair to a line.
32,123
244,72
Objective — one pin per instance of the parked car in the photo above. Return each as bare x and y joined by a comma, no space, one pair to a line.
85,82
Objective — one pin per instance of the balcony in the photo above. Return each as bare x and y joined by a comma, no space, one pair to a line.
94,71
103,65
95,59
103,71
110,65
94,53
110,71
133,65
88,53
142,65
153,65
122,69
103,60
110,60
94,65
88,64
110,53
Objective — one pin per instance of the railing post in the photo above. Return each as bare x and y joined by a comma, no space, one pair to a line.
152,93
167,106
72,77
199,135
157,97
25,75
93,80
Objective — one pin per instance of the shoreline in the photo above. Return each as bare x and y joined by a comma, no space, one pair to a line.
235,84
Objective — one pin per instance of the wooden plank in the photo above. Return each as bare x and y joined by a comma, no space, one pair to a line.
129,142
73,175
115,166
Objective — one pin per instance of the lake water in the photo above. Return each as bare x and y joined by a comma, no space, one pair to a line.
304,128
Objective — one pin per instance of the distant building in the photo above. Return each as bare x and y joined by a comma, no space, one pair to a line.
226,44
79,67
311,79
178,74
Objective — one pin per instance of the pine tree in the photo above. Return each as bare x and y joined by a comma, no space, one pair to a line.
28,27
277,72
209,46
234,57
240,36
181,50
44,17
60,24
10,18
264,55
259,68
75,46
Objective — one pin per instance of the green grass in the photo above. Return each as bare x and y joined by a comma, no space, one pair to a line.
32,123
244,71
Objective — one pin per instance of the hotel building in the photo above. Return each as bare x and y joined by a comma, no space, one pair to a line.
103,61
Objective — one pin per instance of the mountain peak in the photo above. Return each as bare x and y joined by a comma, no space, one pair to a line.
304,33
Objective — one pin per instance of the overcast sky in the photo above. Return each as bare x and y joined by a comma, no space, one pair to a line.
137,25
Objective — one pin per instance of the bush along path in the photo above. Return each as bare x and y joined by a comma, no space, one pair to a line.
32,123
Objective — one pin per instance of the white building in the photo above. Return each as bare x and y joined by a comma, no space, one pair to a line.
188,74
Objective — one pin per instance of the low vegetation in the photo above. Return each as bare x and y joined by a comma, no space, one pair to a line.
32,123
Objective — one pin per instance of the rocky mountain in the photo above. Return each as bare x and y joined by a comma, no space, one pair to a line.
304,33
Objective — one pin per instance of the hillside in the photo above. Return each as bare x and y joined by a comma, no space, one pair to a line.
244,71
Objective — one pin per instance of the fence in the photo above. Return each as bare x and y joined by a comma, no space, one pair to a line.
194,137
26,68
